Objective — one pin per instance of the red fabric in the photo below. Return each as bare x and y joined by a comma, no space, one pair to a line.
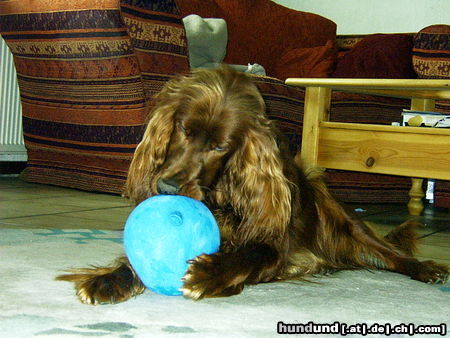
204,8
260,31
378,56
442,194
307,62
436,29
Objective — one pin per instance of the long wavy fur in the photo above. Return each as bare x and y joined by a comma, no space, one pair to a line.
208,138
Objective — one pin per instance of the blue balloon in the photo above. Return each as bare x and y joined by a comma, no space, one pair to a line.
162,233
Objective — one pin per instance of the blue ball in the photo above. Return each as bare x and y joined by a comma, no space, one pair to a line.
162,233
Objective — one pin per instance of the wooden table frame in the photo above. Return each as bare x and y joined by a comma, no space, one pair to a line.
404,151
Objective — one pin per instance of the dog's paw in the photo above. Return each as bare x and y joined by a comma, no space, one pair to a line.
104,286
207,276
103,289
432,273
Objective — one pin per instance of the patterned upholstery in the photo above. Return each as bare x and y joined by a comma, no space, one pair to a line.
84,82
159,41
431,52
431,57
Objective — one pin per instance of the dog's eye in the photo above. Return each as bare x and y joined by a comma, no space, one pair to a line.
220,148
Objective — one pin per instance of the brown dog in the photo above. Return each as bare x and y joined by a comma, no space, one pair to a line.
208,138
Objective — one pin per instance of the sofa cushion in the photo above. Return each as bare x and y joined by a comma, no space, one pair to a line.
378,56
431,53
83,100
307,62
265,28
203,8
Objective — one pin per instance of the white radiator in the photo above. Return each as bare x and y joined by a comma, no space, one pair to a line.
12,147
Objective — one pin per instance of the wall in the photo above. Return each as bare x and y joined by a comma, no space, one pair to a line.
12,147
377,16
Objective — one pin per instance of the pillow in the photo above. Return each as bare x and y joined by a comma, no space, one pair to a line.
83,82
307,62
378,56
431,52
207,40
260,31
83,103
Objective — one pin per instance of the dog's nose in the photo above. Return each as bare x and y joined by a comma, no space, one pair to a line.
167,187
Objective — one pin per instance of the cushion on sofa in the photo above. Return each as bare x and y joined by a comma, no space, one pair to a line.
431,52
378,56
307,62
267,31
203,8
82,94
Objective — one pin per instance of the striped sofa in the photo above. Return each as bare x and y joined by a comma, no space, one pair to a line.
88,71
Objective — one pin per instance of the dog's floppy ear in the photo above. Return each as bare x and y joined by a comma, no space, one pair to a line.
257,187
151,151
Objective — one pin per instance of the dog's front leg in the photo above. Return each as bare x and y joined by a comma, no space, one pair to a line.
225,273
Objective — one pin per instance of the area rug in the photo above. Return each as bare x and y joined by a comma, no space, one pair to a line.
32,303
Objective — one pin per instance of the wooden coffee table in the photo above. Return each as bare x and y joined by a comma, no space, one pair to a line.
405,151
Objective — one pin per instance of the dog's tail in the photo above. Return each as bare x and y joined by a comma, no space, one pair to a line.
404,237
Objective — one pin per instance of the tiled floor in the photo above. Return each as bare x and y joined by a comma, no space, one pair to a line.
26,205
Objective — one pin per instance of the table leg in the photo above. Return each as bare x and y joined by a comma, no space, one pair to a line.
422,104
416,194
415,204
317,106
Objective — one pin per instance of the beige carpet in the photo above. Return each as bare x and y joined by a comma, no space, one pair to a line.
33,304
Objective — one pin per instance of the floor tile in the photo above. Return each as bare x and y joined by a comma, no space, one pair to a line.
60,222
23,208
28,193
88,202
367,210
107,215
395,214
434,252
13,182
